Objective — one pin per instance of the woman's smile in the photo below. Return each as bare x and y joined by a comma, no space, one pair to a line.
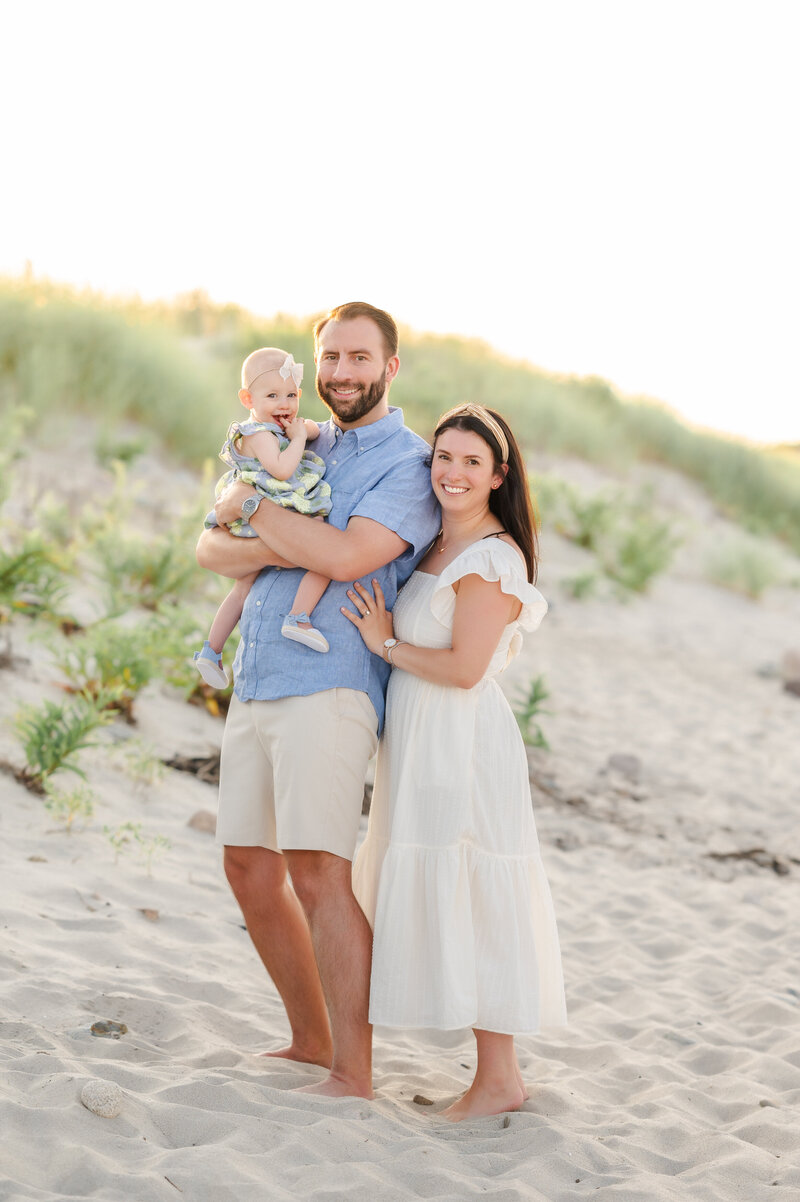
466,456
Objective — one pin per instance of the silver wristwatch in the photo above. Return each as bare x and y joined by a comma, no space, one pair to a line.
388,647
250,505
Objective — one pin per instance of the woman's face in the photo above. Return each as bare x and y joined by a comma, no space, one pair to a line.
463,472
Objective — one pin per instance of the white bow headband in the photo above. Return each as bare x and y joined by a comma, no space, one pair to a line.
287,368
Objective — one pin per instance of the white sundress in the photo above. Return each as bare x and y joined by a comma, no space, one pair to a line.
450,874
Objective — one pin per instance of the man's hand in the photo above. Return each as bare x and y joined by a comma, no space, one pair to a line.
229,506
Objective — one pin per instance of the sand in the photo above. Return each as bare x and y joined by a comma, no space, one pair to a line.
673,749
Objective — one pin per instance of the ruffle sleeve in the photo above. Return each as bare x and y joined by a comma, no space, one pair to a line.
493,560
253,427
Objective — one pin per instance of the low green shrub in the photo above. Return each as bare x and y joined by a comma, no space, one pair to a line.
527,709
130,834
32,577
744,564
67,806
53,735
630,542
108,660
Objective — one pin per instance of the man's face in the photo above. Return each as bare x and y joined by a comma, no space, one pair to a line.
352,370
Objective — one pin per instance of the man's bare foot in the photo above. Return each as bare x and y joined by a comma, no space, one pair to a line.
321,1056
336,1087
484,1101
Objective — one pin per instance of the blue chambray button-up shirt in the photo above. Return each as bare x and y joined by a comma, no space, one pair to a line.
379,471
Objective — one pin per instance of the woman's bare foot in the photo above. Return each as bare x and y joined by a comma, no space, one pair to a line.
483,1101
323,1056
522,1085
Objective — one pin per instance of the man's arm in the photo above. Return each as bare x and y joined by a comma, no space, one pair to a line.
223,553
363,547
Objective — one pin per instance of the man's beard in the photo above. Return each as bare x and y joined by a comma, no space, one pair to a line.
356,406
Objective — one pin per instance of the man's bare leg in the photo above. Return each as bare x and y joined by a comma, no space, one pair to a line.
342,942
279,930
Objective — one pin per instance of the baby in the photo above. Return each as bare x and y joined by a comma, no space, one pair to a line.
269,452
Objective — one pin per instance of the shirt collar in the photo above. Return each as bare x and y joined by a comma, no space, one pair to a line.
376,432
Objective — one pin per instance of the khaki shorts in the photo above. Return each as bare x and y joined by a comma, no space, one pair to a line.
292,771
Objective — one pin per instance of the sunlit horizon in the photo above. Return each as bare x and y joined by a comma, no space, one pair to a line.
542,183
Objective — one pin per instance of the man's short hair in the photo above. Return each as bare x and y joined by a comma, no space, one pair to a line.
347,312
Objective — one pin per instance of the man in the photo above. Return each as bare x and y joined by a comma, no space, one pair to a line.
302,725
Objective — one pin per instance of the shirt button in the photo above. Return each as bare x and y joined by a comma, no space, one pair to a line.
252,644
333,461
258,602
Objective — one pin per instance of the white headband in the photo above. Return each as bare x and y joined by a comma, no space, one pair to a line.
482,414
287,368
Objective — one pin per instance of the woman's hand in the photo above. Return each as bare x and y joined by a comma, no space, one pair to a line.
372,619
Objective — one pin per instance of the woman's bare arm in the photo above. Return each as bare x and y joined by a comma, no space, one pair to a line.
482,612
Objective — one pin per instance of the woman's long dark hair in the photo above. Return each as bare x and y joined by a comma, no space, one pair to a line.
511,502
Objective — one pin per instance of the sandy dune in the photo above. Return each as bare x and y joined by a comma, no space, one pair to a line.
679,1075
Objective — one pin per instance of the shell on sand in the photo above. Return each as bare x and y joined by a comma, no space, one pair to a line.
103,1098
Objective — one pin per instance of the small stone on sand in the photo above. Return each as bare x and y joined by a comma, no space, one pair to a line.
103,1098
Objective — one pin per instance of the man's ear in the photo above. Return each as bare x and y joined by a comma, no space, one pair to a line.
392,368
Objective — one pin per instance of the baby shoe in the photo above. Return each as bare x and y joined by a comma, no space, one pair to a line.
209,664
312,637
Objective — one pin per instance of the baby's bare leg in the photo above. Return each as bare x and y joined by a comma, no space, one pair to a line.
309,591
230,612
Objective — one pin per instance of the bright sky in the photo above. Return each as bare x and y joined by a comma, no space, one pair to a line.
599,186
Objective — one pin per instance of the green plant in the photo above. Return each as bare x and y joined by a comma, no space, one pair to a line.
52,735
637,549
139,571
67,806
632,544
527,709
582,586
13,423
744,564
32,579
110,445
141,763
151,846
109,660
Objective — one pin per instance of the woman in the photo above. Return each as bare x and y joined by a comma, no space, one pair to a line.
450,874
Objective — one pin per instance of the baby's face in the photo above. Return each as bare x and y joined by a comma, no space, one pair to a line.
273,399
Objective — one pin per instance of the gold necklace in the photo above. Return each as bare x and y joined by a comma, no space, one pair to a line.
493,534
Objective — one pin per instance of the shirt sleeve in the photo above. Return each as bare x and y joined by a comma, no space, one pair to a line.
403,501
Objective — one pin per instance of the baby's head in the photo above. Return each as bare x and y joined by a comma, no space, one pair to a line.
271,384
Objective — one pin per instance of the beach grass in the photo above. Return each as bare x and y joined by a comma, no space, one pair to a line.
174,368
